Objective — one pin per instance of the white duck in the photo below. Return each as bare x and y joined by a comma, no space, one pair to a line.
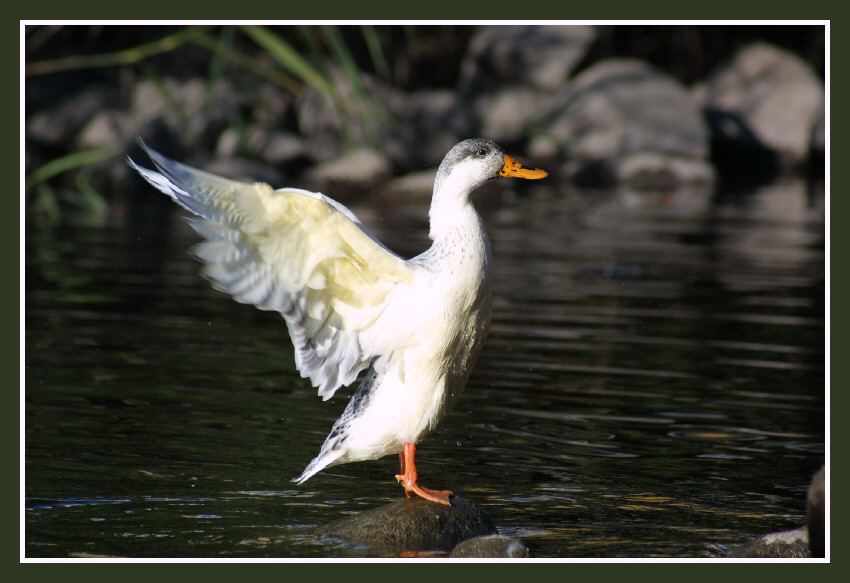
351,304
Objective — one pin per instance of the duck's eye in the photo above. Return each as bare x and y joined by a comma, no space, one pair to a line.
483,151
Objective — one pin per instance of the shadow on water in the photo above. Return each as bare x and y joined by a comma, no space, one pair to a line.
653,385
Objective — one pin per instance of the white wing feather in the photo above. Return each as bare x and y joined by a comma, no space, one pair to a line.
295,252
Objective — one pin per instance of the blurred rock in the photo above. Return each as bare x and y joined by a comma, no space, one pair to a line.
281,150
624,122
58,125
535,56
510,73
412,524
358,168
426,124
493,546
193,111
775,94
505,115
816,514
270,104
619,122
184,112
817,152
415,186
415,129
351,117
105,128
243,170
276,147
740,157
321,124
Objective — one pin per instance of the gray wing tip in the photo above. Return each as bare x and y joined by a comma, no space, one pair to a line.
155,156
308,473
131,163
328,456
163,164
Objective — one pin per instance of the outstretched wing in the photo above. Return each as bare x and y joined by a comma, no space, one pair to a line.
296,252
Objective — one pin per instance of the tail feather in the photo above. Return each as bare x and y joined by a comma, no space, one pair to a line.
320,462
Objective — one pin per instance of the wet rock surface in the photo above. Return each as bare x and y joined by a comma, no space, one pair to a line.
800,543
816,514
418,528
790,544
411,525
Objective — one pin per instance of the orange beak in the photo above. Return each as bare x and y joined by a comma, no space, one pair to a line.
517,170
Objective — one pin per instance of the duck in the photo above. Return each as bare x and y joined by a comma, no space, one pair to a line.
350,304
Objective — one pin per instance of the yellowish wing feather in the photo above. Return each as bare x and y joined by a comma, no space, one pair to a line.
296,252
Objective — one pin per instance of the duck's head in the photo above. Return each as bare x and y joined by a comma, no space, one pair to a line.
473,162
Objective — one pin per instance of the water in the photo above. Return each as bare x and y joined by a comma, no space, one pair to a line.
653,386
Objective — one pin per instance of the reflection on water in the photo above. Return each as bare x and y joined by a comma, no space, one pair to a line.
653,385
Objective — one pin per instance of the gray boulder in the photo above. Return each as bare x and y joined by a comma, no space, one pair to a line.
775,95
356,169
506,115
58,125
539,56
425,125
624,122
263,143
414,129
510,73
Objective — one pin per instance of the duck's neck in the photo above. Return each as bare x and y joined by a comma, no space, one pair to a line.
449,218
458,233
451,210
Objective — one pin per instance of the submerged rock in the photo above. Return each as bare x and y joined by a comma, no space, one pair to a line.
412,524
494,546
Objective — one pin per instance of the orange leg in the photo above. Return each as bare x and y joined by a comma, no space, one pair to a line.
410,479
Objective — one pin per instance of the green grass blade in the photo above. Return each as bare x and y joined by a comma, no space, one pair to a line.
373,45
66,163
124,57
373,111
253,65
289,58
